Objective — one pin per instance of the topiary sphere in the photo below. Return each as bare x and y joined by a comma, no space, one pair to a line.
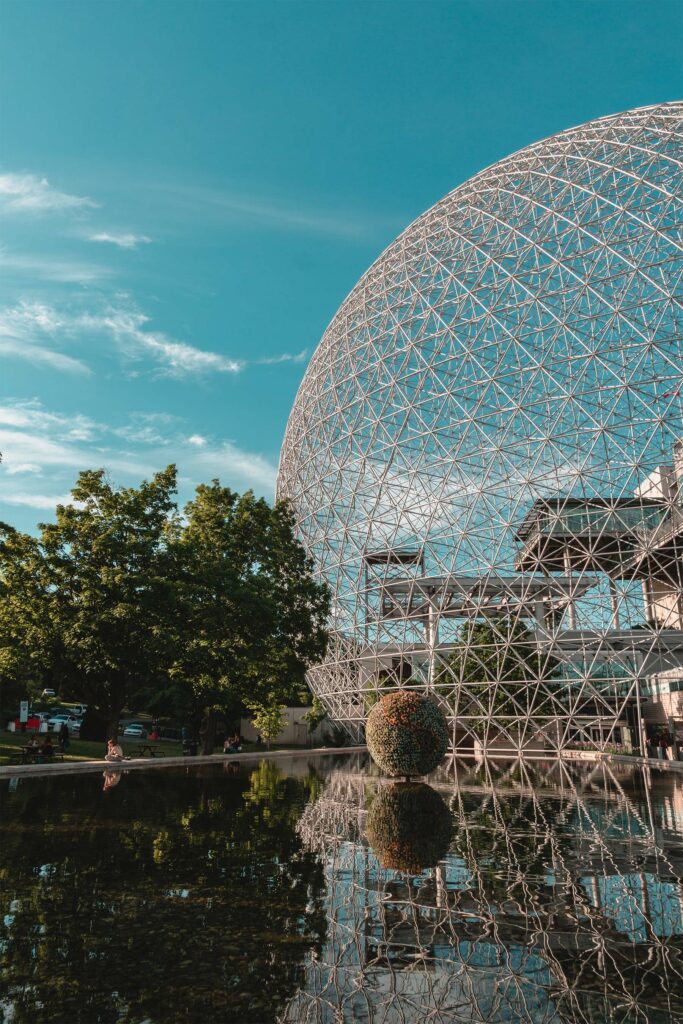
409,827
407,734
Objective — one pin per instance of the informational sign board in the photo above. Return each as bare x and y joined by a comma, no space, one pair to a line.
23,711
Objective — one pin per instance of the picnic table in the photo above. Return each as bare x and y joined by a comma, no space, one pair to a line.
148,750
33,755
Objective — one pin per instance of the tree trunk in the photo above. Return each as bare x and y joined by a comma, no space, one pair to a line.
117,695
207,732
113,724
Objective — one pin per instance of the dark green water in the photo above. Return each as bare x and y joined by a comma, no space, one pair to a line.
312,892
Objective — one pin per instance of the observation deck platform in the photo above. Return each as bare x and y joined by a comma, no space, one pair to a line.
595,535
476,596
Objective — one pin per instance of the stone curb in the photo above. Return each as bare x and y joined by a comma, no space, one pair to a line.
642,762
83,767
575,755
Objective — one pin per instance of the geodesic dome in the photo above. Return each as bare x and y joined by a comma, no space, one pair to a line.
483,456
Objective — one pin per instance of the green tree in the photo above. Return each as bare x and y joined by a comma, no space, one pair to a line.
119,602
316,715
253,617
26,640
267,719
496,670
92,599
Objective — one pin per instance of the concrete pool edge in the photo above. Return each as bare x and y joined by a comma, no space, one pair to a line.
84,767
578,755
135,764
642,762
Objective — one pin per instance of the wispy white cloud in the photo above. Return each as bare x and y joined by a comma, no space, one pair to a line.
18,329
227,460
46,453
30,194
276,212
23,467
31,414
123,239
41,501
48,269
127,328
148,428
22,324
286,357
45,449
48,442
175,358
39,355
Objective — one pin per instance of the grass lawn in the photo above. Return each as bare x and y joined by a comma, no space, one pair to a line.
79,750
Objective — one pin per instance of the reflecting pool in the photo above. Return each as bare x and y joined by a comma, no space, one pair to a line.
313,892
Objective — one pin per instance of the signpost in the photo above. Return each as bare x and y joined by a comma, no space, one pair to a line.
23,711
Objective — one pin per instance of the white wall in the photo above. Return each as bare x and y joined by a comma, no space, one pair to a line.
295,731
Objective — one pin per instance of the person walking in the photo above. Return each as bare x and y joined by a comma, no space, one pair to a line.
63,737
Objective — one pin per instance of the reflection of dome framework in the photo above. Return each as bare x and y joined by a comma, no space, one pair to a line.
487,434
557,902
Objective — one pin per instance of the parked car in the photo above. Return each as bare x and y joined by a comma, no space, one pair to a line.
136,730
48,693
79,710
55,724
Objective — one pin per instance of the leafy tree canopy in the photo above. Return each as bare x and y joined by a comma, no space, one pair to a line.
120,601
495,670
268,720
253,617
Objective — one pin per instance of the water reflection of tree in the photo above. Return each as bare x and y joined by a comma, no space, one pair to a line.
169,899
558,901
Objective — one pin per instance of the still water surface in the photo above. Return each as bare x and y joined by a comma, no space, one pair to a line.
312,892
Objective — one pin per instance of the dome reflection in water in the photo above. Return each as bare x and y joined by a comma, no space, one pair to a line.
559,900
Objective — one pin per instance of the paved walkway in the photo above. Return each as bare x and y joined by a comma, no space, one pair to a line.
83,767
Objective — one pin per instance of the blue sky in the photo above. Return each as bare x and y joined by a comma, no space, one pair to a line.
189,190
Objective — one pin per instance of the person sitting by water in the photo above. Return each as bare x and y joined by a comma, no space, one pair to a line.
47,751
114,751
30,750
232,744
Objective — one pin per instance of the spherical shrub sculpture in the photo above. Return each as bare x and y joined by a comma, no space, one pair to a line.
407,734
409,827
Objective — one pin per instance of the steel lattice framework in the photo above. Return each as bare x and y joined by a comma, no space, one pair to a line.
484,454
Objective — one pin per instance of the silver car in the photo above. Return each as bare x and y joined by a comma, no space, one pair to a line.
55,724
